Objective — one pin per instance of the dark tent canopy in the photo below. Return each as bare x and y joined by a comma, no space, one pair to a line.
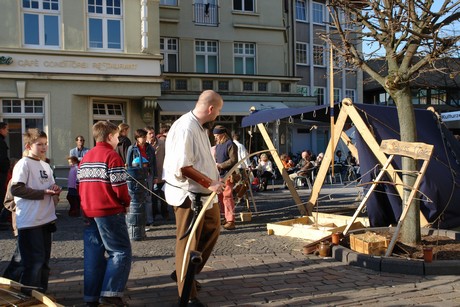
440,200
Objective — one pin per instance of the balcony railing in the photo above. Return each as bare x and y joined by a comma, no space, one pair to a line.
206,14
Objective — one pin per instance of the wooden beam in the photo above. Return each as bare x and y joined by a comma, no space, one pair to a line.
304,210
366,134
327,159
350,145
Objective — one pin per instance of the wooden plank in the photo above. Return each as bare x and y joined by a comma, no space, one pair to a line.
309,228
15,297
327,159
408,204
303,209
366,197
366,134
350,145
414,150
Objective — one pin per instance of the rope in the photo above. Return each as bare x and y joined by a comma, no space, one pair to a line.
146,188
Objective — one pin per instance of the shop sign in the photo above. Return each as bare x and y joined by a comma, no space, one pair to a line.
7,60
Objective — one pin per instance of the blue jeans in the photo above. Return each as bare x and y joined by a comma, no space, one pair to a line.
106,276
35,250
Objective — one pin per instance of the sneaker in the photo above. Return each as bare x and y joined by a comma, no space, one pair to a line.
112,301
229,225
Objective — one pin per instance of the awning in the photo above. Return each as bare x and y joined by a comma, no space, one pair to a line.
264,116
241,108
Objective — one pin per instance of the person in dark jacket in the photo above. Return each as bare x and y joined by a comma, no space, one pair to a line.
226,158
123,141
4,169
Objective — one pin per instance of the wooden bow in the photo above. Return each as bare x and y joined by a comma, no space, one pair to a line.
203,210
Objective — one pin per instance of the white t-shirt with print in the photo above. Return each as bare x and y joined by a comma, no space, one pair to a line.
37,175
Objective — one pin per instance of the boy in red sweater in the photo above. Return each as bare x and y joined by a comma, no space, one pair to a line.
104,199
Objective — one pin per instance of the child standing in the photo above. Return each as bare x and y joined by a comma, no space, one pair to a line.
33,188
72,194
104,199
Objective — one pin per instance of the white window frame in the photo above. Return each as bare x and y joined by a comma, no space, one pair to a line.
301,47
304,90
320,92
337,95
243,8
351,93
316,55
168,2
109,104
169,46
42,14
23,116
315,9
301,5
337,59
244,55
210,50
105,18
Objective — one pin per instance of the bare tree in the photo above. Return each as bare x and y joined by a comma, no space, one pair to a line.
412,37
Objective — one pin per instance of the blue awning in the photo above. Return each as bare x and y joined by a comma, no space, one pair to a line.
318,113
238,108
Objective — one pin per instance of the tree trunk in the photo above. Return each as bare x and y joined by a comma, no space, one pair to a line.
410,230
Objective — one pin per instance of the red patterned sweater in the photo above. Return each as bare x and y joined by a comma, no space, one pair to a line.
102,182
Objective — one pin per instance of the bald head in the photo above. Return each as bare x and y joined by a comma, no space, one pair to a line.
208,106
207,98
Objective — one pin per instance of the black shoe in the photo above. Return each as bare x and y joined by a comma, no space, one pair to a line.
112,301
92,304
194,302
174,277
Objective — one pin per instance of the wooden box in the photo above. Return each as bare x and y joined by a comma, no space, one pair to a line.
369,243
246,216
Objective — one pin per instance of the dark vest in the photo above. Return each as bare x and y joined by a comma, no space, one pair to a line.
222,154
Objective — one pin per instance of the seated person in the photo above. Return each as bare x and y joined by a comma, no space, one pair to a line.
340,164
305,166
288,164
264,171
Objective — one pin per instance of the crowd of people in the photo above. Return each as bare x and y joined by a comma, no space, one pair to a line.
184,164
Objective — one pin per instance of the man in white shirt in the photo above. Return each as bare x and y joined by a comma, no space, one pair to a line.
189,169
242,151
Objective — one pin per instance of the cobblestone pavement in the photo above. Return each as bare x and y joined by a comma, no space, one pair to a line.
248,267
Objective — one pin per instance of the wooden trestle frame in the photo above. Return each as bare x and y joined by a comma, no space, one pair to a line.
347,110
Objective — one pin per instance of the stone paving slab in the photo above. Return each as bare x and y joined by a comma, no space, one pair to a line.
248,268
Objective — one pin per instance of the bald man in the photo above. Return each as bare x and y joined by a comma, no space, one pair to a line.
191,173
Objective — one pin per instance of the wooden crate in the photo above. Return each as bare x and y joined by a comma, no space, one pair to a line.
369,243
314,227
246,216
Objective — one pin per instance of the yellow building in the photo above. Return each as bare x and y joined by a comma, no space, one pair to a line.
66,64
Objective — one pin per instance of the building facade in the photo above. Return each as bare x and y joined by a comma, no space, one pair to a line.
67,64
239,48
310,56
